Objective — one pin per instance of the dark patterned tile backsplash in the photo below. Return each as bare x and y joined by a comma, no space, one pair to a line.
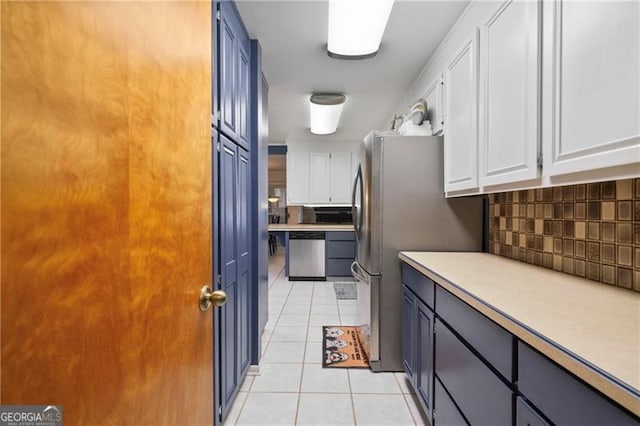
590,230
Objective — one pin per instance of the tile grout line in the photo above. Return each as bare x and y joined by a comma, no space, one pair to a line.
353,405
304,353
278,275
404,397
235,421
266,347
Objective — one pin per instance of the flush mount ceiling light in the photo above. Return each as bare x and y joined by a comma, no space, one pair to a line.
325,112
273,199
356,27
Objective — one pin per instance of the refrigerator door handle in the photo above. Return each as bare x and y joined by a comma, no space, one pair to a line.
356,213
357,275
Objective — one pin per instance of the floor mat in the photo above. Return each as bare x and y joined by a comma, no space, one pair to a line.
342,348
345,290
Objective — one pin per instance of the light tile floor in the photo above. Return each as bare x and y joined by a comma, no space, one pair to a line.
294,388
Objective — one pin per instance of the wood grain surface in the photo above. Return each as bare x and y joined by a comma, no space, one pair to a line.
106,210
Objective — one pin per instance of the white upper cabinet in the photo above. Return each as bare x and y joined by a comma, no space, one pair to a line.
510,62
435,105
341,177
297,178
461,127
319,177
591,94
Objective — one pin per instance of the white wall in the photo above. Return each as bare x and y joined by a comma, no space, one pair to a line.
477,13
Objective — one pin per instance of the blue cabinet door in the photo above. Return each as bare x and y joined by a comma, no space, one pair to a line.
215,93
242,97
228,258
417,347
424,357
408,333
563,398
235,71
228,70
244,260
478,392
446,413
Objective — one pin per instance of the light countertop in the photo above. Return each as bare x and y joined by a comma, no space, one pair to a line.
310,227
590,328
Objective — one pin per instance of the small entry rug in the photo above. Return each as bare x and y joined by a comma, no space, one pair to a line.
342,348
345,290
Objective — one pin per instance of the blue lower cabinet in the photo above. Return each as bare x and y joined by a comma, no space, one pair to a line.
527,415
562,398
445,411
340,252
481,396
417,348
408,334
340,236
424,357
338,267
422,286
472,379
492,342
340,249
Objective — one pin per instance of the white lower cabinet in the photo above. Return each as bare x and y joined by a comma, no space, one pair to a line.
591,97
461,127
510,61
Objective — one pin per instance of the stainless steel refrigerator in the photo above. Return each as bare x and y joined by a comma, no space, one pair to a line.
398,204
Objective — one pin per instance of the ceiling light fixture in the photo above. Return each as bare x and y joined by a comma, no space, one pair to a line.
325,112
273,199
356,27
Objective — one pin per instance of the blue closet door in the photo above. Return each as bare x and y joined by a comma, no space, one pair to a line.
228,70
215,92
244,69
228,231
244,260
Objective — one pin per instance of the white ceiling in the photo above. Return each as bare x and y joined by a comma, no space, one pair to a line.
293,35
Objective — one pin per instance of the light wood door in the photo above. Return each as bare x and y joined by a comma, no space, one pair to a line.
461,127
591,101
510,93
106,210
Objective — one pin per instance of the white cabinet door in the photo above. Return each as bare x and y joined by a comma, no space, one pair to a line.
591,93
461,127
297,178
435,110
341,178
510,61
319,177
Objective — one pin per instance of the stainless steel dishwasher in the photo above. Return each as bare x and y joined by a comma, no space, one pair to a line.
306,256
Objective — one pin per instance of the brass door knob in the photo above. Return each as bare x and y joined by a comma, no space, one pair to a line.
208,297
